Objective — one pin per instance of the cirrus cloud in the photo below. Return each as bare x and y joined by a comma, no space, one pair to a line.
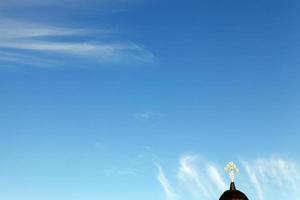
263,178
35,44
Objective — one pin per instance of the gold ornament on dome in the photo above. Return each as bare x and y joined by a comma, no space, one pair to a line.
232,170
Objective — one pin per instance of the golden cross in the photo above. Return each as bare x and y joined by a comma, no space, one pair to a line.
232,170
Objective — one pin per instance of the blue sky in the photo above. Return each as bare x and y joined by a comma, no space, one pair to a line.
130,100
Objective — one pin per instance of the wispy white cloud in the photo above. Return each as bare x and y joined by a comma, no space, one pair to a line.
8,58
254,180
190,176
144,115
216,177
147,115
274,173
24,40
262,178
161,177
13,29
70,3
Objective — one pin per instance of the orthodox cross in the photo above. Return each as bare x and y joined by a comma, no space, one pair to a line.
232,170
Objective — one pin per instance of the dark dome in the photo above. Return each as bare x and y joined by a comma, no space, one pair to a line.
233,194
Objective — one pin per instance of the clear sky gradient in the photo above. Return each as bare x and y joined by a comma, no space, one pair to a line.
148,100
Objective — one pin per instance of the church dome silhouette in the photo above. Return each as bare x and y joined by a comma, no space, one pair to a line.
232,193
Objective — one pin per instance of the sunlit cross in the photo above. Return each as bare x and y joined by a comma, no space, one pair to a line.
232,170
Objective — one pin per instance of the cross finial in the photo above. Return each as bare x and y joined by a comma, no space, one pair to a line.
231,169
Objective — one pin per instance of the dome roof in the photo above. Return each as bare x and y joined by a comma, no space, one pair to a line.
233,194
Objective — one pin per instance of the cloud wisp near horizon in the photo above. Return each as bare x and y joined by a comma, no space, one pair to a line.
261,178
43,45
80,3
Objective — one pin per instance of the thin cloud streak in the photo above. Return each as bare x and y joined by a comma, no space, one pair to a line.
146,115
254,180
28,39
216,178
9,58
30,3
262,178
274,172
72,48
12,29
190,176
165,184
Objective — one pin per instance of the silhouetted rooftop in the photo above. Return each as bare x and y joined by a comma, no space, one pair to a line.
233,194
